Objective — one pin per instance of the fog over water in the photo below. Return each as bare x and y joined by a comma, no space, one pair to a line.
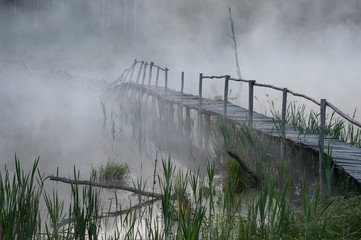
48,47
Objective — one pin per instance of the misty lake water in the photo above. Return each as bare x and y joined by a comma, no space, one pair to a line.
59,118
63,123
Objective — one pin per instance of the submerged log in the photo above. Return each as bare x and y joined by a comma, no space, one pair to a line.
245,167
104,185
132,208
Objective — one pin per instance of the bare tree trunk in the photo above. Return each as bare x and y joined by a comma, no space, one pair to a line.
103,15
234,44
15,7
36,13
135,16
109,15
125,16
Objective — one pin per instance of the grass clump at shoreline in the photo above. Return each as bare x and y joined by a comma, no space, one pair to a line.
113,171
309,123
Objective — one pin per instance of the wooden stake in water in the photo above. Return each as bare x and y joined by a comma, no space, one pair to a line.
225,100
250,103
321,169
283,123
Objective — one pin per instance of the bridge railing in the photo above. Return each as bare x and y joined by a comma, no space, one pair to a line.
251,83
323,103
143,67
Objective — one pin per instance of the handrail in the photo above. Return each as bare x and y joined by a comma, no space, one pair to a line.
211,77
154,65
338,111
254,83
240,80
143,67
304,96
333,107
163,69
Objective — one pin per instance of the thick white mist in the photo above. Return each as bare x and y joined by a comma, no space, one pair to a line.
309,47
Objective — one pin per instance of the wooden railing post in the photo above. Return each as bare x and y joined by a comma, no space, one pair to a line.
200,136
140,70
150,79
181,104
200,91
250,102
166,82
225,98
321,169
283,123
144,72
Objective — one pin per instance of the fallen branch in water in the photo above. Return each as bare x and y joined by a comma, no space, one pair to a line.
135,207
104,185
244,166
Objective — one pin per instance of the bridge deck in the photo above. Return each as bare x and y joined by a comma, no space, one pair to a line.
344,155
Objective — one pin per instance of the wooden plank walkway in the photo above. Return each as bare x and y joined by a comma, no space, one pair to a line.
344,155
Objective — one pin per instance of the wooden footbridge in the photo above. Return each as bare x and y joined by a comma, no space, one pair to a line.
344,155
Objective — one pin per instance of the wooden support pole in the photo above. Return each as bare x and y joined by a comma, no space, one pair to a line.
181,104
283,124
225,100
200,91
166,81
321,169
140,70
200,111
250,103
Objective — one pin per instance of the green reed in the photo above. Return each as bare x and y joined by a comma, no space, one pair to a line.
19,202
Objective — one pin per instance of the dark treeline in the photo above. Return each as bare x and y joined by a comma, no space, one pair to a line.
123,15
